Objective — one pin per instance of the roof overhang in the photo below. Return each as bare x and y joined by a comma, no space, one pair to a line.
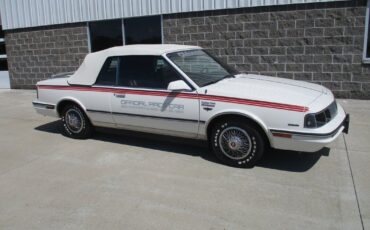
17,14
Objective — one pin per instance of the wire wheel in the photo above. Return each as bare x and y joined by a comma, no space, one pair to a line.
74,120
235,143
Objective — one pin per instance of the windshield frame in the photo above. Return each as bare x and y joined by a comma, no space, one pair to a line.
229,69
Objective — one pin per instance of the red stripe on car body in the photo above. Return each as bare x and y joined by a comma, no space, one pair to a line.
233,100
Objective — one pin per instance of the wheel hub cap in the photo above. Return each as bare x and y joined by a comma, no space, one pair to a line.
235,143
74,121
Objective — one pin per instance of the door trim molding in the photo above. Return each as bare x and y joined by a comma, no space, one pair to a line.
145,116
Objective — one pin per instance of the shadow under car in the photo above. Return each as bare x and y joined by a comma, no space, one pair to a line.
274,159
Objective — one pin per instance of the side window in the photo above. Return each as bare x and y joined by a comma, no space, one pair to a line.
105,34
152,72
143,30
108,73
3,61
3,65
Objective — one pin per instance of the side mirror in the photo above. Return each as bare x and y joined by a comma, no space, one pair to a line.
178,85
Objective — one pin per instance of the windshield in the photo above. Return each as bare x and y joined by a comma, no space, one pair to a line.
201,67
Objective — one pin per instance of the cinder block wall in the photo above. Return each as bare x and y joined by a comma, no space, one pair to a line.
37,53
320,43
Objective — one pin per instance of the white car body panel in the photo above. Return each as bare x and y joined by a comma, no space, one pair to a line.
250,86
277,105
177,111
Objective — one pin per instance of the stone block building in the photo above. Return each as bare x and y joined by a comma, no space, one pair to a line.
320,41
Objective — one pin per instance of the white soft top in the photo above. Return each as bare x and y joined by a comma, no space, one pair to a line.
90,68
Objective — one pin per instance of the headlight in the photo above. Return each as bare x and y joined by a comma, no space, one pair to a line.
316,120
310,121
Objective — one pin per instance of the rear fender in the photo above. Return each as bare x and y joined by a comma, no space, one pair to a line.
71,99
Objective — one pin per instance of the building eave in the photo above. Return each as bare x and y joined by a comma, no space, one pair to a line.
16,14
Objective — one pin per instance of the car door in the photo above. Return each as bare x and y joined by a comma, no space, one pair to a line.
97,101
142,101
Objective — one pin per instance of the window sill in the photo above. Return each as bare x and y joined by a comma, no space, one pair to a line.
366,61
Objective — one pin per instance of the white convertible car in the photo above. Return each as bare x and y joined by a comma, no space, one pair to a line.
184,91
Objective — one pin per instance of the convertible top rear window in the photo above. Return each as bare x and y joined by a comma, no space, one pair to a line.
108,73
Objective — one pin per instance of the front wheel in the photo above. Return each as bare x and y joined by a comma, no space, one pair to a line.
75,123
237,143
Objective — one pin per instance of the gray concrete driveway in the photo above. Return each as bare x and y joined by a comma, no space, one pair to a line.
127,181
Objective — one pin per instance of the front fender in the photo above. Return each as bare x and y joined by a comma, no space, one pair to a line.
243,113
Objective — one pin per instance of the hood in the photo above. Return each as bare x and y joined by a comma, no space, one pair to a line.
271,89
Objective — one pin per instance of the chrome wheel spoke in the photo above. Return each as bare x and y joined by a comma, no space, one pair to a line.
235,143
73,120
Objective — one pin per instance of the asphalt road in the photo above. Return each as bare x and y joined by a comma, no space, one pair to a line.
134,181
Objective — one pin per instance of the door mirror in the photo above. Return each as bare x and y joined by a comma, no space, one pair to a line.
178,85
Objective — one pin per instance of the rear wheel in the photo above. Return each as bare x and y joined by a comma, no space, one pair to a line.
236,143
75,122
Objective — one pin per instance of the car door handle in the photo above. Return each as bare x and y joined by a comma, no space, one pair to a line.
120,95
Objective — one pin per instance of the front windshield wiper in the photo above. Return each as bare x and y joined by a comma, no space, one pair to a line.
215,81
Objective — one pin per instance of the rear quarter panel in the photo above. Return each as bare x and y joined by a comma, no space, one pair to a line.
86,99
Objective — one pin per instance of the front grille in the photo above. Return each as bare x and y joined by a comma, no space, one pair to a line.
326,115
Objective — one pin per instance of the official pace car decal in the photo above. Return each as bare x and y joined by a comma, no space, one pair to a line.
265,104
208,105
153,106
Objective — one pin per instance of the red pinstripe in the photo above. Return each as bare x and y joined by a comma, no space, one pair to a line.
233,100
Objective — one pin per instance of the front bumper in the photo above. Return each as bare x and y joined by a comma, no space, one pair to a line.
308,142
346,124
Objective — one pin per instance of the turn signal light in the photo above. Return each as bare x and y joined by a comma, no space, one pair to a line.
283,135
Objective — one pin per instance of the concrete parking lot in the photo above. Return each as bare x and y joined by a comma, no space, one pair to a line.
134,181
